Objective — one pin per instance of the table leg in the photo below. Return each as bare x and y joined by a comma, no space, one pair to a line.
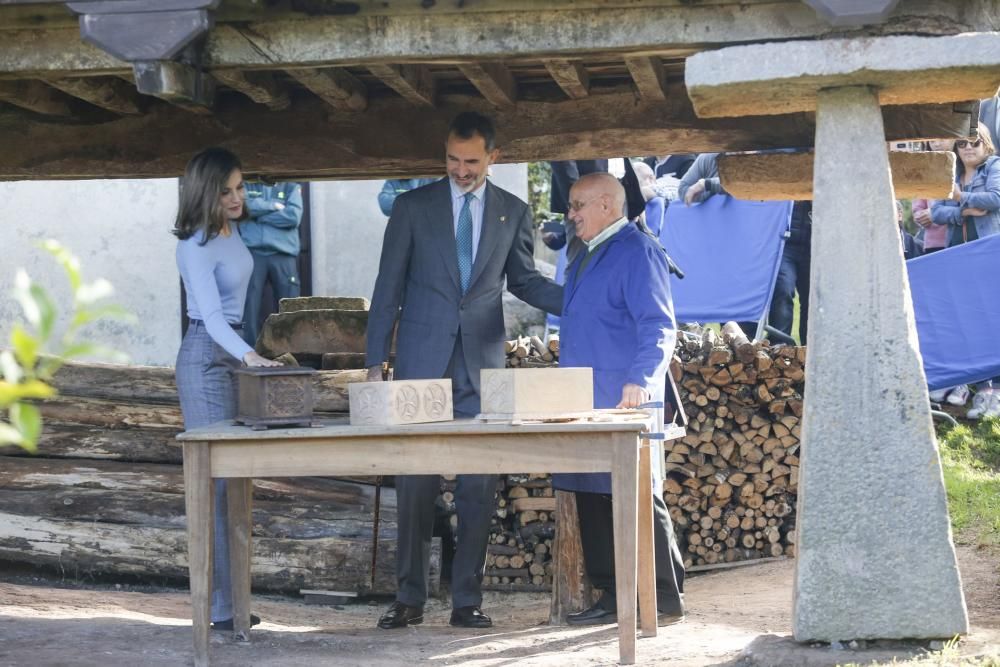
198,505
624,488
239,498
647,562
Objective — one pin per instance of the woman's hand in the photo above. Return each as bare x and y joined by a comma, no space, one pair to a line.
253,360
977,212
956,192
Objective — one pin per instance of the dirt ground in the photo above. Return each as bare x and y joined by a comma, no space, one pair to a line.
739,617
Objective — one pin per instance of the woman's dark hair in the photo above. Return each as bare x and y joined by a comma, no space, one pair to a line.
204,180
470,123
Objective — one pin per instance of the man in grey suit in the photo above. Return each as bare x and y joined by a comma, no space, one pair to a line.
989,118
448,248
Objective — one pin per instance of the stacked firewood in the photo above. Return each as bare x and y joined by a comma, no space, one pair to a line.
531,351
732,480
519,552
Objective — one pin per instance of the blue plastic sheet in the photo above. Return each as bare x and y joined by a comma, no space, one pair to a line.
729,250
957,312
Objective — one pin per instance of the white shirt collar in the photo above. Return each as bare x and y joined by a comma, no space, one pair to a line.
607,233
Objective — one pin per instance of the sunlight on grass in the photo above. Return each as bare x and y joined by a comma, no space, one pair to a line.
970,455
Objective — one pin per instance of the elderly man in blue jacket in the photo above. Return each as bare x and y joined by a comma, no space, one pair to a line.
271,232
618,319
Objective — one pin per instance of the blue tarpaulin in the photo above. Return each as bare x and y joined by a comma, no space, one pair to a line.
957,312
729,250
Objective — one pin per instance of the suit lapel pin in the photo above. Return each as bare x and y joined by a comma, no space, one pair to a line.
503,219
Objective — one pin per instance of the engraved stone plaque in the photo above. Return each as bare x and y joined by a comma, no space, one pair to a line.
400,402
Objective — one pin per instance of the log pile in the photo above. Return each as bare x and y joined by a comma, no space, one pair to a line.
732,480
519,551
531,352
105,497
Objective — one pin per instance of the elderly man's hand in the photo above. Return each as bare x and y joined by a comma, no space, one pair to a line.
633,396
694,192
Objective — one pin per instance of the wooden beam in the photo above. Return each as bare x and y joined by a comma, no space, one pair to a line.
336,87
34,96
261,87
571,76
309,140
414,82
789,176
649,77
564,31
494,81
112,94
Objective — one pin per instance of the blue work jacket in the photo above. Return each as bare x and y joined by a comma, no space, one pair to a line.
268,230
618,318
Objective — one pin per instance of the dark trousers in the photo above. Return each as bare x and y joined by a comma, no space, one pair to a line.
793,275
597,536
282,271
475,501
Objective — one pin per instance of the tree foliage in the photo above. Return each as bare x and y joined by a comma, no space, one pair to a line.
36,351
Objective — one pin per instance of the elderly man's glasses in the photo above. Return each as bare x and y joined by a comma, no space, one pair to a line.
962,143
577,206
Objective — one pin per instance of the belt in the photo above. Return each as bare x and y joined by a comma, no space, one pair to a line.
235,325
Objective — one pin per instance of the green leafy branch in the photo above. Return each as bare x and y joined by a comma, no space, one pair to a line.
33,357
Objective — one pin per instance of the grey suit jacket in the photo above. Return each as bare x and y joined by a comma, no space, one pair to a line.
988,117
418,282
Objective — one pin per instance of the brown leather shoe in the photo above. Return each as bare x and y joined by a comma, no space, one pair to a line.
470,617
400,615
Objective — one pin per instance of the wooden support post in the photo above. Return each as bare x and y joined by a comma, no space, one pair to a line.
624,482
571,589
647,561
239,498
198,504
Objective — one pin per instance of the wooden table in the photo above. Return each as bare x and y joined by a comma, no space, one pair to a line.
239,454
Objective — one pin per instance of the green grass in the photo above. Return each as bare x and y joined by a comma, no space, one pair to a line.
970,456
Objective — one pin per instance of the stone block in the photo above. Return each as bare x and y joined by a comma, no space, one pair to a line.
338,361
784,77
323,303
523,392
313,332
400,402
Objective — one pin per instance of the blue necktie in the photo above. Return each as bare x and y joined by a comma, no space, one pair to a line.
463,242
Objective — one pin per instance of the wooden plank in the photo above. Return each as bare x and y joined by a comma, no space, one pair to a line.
108,93
413,82
649,77
261,87
494,81
335,86
34,96
310,140
790,176
571,76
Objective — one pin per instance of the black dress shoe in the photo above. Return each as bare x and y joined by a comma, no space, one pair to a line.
470,617
228,623
400,615
596,615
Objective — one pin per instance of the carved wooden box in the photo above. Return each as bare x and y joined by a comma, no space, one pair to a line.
281,396
400,402
536,392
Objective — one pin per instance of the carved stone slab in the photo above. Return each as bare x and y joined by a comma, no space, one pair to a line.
400,402
523,392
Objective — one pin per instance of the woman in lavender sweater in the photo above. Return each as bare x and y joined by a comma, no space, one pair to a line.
215,267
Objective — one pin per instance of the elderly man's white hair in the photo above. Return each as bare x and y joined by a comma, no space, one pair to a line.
603,183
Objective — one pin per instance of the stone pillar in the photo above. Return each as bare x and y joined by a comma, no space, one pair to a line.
874,554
